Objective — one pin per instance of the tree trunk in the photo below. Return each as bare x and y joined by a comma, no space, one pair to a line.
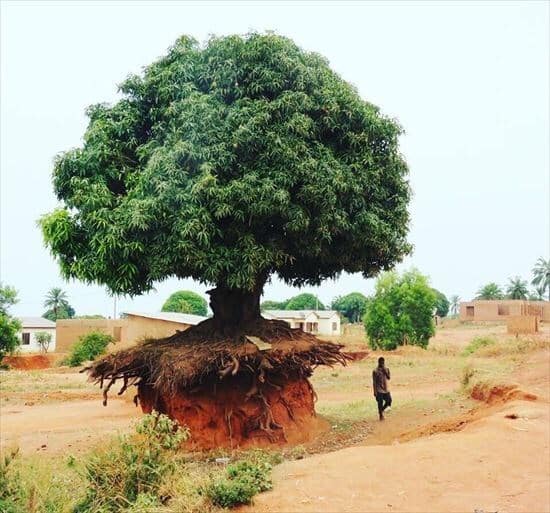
234,309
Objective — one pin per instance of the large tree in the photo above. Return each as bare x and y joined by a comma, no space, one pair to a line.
352,306
541,277
226,163
185,301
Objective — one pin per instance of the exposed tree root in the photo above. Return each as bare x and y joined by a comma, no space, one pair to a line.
202,355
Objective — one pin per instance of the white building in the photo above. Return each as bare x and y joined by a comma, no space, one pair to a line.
317,322
29,327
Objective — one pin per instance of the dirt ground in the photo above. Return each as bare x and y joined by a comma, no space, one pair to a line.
438,449
494,458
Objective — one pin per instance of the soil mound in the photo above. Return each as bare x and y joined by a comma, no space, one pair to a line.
230,390
494,394
234,413
28,362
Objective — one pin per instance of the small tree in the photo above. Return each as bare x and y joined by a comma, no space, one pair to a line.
517,288
44,340
9,326
353,306
490,291
442,304
304,301
455,304
541,277
401,311
185,301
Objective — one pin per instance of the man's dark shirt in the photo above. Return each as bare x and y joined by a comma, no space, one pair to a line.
380,375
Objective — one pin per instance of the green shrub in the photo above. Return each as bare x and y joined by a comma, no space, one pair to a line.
401,311
243,480
88,347
476,344
129,472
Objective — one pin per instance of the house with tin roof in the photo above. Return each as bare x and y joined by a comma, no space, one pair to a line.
316,322
30,326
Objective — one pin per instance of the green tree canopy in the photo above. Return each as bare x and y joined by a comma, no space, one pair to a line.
304,301
273,305
9,326
490,291
353,306
401,311
63,312
442,304
541,277
186,301
228,162
517,288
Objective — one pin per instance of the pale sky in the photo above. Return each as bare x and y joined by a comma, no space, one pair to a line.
469,82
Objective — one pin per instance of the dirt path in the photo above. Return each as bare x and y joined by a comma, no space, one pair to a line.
495,458
494,464
61,426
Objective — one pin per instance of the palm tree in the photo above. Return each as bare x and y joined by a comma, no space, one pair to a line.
541,276
56,299
455,304
490,291
517,288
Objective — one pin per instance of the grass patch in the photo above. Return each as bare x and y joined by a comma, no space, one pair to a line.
342,416
240,483
139,473
476,344
514,346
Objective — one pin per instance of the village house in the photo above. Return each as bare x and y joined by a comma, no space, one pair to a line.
500,310
30,326
317,322
132,328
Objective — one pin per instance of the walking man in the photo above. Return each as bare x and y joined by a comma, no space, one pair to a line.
380,378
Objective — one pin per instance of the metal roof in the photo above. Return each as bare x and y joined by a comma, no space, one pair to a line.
36,322
300,314
182,318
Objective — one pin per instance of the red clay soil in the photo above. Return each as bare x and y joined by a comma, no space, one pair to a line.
28,362
221,415
494,394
